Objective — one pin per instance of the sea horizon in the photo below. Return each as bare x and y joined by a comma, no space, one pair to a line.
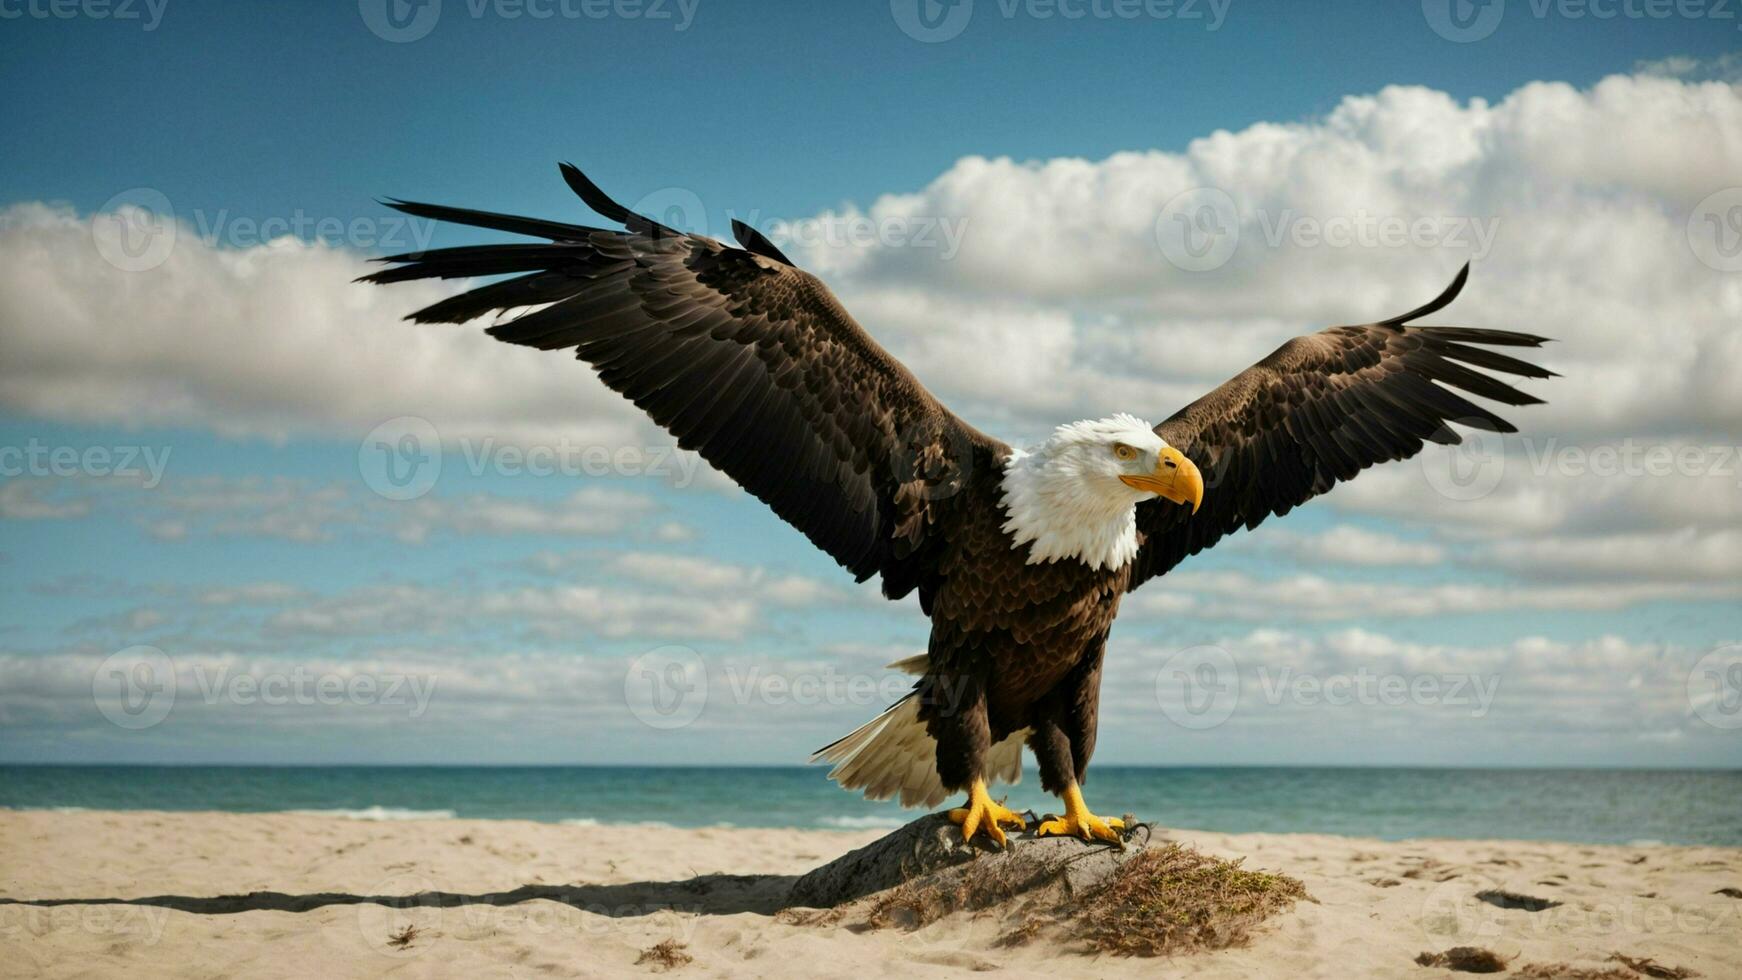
1582,805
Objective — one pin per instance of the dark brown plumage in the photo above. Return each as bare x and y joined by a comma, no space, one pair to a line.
1320,409
747,360
754,364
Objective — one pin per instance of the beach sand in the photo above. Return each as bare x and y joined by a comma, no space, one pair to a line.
152,894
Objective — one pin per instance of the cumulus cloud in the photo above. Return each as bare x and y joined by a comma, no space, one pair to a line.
618,596
271,340
546,612
1315,598
1058,298
37,499
1346,682
1635,511
686,574
1588,195
1726,67
1345,686
294,509
1350,545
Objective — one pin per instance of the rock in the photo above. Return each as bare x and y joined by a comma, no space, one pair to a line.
932,848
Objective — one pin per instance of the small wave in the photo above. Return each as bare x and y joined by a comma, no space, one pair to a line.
48,809
596,822
380,813
863,823
1646,842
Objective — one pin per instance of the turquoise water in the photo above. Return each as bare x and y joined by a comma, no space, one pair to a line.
1598,806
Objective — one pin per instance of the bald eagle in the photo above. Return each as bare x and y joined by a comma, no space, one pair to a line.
1019,556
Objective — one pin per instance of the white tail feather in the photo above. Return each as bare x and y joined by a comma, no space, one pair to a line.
919,663
892,754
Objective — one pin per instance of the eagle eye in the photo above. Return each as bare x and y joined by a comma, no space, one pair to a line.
1123,451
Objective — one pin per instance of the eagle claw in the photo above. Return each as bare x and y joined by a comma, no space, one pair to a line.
984,813
1079,822
1090,827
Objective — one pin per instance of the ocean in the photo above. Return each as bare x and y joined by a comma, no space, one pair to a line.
1594,806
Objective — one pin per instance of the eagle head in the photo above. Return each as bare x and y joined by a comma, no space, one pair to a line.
1074,495
1122,460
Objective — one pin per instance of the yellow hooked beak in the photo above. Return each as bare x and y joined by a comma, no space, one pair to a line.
1175,478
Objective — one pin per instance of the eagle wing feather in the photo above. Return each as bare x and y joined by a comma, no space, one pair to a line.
1319,410
745,359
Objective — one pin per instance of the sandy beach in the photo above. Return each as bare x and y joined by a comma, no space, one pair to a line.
215,894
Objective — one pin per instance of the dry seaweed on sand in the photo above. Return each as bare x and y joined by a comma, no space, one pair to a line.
1652,968
1024,933
1567,971
1173,899
403,938
1635,968
1465,959
666,955
1153,899
809,917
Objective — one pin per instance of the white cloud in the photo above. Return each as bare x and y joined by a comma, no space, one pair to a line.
1475,702
589,511
37,499
694,575
137,620
1349,545
1545,512
634,595
1315,598
1684,555
249,593
1535,687
272,340
1059,303
1058,272
300,510
1726,67
1590,194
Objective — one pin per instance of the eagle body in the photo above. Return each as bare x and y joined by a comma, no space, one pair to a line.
1015,647
1020,557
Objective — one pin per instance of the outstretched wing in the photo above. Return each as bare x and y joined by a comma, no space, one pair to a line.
1321,409
744,358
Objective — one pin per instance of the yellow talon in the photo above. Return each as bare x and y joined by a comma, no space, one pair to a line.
1079,822
982,812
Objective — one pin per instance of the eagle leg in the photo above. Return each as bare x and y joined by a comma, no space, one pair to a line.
985,813
1079,822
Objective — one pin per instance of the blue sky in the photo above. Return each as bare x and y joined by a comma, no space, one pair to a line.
785,107
256,371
